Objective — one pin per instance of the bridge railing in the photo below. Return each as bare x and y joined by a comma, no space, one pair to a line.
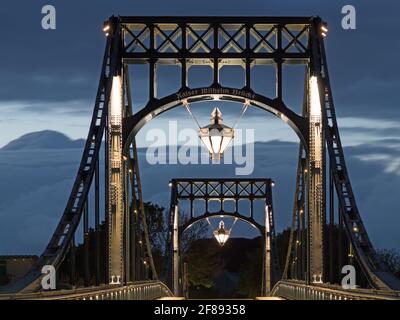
146,290
297,290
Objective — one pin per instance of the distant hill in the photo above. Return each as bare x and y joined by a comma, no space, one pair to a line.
46,139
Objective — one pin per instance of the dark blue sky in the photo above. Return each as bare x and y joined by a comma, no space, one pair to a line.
49,78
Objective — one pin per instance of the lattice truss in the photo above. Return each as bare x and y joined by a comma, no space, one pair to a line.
223,192
201,42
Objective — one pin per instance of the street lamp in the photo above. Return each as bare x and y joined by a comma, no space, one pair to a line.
216,136
221,234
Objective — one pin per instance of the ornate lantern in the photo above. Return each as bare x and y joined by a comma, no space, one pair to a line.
216,136
221,234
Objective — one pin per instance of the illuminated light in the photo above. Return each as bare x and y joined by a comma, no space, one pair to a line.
315,102
324,29
130,170
116,99
305,170
355,229
272,183
170,184
140,242
107,28
323,34
216,97
221,234
297,242
216,136
125,158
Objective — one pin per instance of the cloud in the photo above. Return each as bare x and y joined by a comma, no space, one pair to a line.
35,192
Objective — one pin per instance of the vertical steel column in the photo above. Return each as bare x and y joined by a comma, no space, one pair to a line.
175,241
215,61
340,238
184,68
316,216
106,203
127,223
131,202
331,225
97,221
267,249
86,270
248,60
152,65
279,62
316,175
116,186
73,261
133,244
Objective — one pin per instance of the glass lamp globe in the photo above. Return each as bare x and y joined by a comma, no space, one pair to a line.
216,136
221,234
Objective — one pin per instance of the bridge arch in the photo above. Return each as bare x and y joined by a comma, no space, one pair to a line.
155,107
224,214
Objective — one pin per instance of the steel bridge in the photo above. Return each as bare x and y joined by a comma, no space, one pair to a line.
324,200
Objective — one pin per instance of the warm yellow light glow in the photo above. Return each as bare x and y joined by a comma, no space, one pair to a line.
216,136
324,29
315,102
221,234
106,28
116,98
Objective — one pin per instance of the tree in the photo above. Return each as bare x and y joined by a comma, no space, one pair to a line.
391,258
158,224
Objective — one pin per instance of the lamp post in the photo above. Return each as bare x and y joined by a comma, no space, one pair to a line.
221,234
216,136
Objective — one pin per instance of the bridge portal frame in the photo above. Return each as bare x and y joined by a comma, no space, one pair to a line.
222,190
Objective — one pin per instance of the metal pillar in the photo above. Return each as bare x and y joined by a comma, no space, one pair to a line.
97,221
267,251
331,226
86,271
116,203
73,262
175,240
316,178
